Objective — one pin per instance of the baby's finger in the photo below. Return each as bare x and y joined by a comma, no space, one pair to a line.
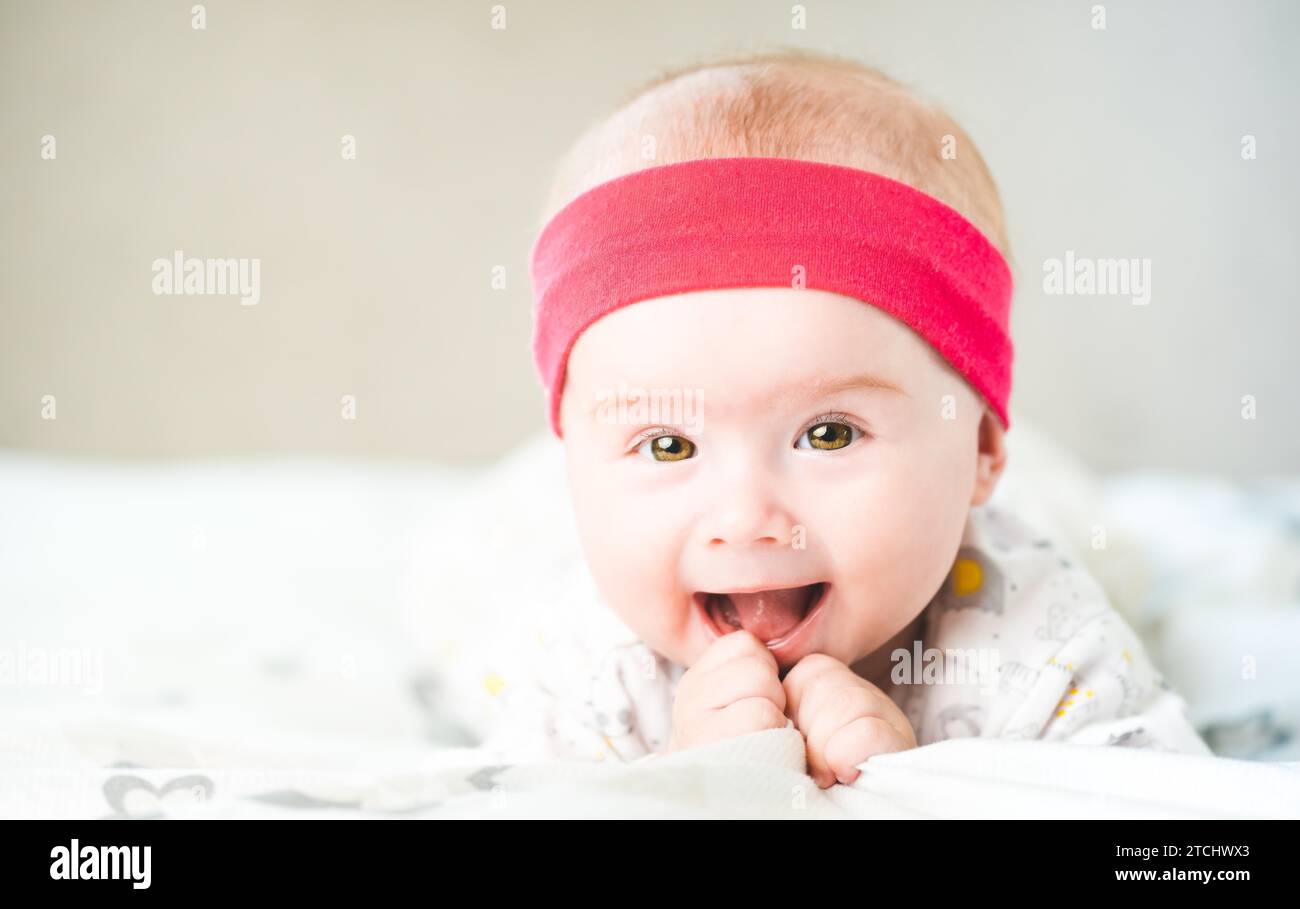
746,676
737,644
836,706
804,679
747,715
861,739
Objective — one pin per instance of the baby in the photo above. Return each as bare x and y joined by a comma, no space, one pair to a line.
772,305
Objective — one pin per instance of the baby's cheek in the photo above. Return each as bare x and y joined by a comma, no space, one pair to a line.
894,542
633,560
624,562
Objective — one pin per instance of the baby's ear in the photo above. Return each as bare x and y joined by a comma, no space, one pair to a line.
992,457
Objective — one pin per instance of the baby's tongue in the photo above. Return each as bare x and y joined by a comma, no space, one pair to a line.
768,614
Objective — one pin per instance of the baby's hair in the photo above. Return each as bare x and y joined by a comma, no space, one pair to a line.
787,103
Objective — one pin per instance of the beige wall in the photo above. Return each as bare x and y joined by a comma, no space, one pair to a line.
375,273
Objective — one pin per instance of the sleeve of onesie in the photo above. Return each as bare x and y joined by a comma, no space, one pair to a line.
614,705
1100,688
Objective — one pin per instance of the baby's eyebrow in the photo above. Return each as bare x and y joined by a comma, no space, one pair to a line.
806,389
824,388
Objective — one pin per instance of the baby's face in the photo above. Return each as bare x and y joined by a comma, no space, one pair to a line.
820,451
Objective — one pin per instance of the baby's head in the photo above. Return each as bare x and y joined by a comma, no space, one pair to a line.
733,438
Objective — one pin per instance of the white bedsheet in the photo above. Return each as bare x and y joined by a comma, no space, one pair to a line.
755,776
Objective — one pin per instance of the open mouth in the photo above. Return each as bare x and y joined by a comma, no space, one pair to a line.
772,616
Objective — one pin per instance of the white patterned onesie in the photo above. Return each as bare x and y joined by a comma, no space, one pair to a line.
1020,642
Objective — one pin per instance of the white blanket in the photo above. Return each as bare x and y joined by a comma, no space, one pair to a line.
755,776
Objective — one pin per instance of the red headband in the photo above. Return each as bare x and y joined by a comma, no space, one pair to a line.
750,222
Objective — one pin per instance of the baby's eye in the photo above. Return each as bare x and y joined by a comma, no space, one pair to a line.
829,435
667,448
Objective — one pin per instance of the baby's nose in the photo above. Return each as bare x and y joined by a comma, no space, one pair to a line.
739,539
750,522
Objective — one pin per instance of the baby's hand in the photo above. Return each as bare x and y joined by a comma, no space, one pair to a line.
844,718
731,690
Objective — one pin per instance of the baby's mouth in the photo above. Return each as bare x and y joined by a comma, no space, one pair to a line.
769,615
